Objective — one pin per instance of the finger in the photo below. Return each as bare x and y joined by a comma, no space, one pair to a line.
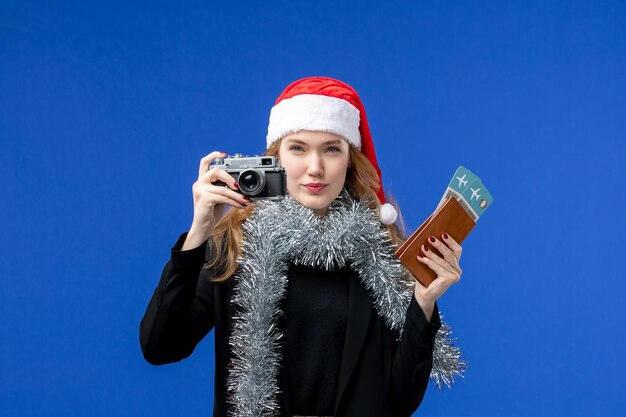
222,199
443,275
215,174
437,259
447,253
214,194
206,161
223,190
453,245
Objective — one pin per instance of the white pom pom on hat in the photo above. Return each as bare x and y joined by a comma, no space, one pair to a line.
328,105
388,214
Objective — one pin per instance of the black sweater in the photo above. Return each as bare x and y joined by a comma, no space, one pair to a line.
319,299
185,306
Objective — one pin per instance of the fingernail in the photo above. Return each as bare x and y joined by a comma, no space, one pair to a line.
445,235
432,239
246,198
236,186
425,248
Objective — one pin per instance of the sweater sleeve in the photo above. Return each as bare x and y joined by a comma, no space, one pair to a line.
413,360
180,312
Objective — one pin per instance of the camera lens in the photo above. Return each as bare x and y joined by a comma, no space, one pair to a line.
251,182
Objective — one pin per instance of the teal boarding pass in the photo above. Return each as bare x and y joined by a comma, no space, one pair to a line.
469,191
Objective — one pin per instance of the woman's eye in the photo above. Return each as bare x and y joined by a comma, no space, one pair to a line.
333,149
295,148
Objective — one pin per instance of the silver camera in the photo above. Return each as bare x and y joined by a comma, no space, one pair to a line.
258,177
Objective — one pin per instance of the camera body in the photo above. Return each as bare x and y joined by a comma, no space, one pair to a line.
258,177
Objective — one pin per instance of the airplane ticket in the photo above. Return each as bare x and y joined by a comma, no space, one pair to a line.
469,191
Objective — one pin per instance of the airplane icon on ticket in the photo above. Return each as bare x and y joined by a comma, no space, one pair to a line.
462,180
475,193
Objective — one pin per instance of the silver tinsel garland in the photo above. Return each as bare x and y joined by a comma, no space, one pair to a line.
283,232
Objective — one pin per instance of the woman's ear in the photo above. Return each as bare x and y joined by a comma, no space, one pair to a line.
349,163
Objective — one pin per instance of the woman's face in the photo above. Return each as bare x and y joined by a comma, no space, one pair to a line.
316,164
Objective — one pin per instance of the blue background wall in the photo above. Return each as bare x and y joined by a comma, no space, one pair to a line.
107,107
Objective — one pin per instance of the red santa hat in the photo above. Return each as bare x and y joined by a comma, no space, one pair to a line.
328,105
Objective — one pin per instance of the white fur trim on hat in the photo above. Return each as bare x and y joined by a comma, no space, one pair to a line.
388,214
317,113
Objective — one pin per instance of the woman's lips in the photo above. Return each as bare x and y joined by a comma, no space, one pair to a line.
314,188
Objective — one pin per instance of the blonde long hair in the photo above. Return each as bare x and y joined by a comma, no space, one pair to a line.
361,181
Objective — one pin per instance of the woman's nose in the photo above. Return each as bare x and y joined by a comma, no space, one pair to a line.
315,167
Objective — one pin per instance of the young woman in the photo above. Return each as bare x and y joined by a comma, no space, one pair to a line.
313,315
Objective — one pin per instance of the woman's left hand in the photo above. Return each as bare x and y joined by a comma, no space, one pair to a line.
447,269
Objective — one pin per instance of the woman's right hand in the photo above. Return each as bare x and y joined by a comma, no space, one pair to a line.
210,200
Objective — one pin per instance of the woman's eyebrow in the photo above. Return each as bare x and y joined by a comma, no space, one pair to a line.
302,142
298,141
